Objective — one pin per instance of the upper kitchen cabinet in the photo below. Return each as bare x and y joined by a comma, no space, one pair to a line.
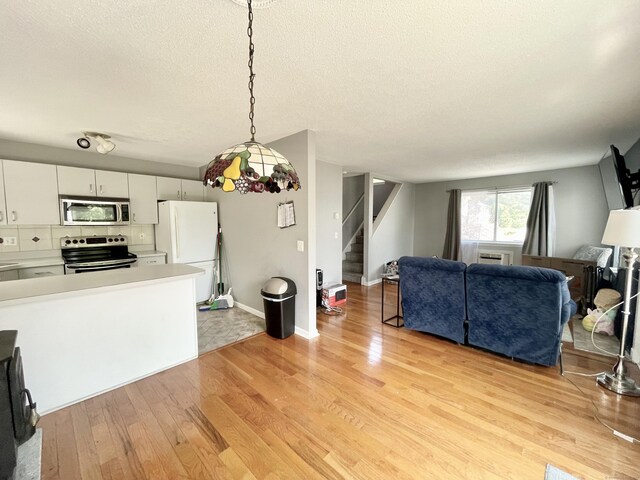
3,205
143,198
169,188
177,189
31,192
76,181
192,190
112,184
87,182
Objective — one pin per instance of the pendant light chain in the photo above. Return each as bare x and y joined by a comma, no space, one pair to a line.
252,100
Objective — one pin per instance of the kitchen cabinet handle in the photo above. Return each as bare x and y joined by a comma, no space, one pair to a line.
14,216
178,194
134,217
184,195
100,189
91,188
1,215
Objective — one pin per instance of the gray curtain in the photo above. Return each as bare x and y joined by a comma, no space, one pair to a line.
454,227
540,238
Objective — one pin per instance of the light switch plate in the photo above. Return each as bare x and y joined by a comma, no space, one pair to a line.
301,245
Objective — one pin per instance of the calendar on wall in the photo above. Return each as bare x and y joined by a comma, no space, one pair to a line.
286,214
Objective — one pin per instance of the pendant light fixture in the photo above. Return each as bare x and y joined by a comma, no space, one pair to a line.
251,166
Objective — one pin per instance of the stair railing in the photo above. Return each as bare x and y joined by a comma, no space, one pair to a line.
352,222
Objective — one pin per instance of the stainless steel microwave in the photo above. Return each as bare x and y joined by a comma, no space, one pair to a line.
94,211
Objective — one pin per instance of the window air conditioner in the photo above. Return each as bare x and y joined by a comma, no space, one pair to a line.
494,258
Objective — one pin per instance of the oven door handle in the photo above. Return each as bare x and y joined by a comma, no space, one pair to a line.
108,263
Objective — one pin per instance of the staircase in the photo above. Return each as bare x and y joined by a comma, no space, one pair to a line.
352,265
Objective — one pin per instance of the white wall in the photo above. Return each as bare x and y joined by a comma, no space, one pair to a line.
328,227
30,152
632,157
581,208
352,189
392,235
258,250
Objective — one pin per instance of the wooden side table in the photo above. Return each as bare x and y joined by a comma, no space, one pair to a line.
394,320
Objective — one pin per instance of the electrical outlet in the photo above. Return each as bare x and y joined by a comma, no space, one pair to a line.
9,241
301,245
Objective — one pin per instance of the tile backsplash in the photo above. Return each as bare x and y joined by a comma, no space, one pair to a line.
31,238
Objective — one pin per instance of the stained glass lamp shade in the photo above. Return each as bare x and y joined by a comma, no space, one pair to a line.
251,167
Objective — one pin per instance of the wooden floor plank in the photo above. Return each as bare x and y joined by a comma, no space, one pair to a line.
362,401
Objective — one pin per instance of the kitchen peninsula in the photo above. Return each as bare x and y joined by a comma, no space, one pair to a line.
81,335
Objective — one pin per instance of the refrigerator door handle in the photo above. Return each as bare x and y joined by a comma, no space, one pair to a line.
175,219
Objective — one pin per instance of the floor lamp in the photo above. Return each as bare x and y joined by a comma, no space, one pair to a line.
623,230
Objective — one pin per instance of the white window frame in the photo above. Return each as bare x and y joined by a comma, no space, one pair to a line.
497,191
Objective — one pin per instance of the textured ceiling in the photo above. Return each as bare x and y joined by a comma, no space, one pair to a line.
416,90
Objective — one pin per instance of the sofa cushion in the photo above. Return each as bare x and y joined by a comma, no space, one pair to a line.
433,296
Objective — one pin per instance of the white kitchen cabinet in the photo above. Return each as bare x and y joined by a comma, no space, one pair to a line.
39,272
3,205
112,184
146,261
76,181
178,189
143,198
87,182
31,191
169,188
192,190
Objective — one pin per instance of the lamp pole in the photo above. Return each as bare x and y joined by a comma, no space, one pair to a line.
617,380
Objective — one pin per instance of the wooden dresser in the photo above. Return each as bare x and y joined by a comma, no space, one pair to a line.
568,266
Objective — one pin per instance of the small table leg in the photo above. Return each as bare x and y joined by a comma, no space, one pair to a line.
394,320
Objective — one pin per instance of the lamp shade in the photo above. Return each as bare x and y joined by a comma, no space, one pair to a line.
251,167
623,229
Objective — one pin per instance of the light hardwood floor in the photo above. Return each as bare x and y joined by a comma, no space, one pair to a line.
363,400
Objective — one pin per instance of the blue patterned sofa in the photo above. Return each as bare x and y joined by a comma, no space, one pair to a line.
515,311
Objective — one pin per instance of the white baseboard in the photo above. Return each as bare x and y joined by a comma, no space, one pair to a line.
371,283
306,334
249,309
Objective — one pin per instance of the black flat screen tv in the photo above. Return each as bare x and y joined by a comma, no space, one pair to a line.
618,182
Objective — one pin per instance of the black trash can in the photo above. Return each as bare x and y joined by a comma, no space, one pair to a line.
279,296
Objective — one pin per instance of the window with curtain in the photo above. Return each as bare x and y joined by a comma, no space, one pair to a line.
495,215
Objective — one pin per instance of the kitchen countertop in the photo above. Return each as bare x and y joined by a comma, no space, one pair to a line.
33,289
30,262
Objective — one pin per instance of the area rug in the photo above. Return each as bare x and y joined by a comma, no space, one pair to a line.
28,458
554,473
582,340
217,328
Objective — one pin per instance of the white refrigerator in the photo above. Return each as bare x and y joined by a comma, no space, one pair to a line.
187,232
